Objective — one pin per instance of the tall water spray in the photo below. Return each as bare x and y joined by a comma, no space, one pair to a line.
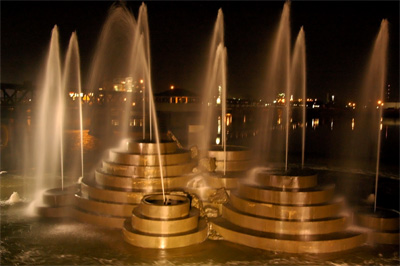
278,80
48,133
373,91
114,48
214,92
299,82
125,44
143,57
72,80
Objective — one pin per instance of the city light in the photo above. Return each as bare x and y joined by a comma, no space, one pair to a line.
172,87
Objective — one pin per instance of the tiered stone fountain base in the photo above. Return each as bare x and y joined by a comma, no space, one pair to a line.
171,224
56,202
131,172
208,183
287,212
383,225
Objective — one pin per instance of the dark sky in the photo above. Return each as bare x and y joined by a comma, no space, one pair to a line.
339,38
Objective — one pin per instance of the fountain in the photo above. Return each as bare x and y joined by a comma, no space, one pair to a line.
285,209
147,186
225,163
121,190
129,173
157,224
383,222
55,202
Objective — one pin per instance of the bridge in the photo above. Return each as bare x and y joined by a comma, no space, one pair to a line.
14,94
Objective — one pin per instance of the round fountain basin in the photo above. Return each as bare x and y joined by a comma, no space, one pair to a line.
126,158
176,206
384,225
148,146
233,153
59,196
381,219
293,178
165,227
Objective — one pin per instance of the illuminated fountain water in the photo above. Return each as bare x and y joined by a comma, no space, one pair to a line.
220,164
214,92
384,223
143,165
278,80
140,185
298,84
53,198
49,129
56,200
72,79
287,209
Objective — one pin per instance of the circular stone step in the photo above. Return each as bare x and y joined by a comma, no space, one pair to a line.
228,181
291,227
153,206
174,226
97,219
384,237
384,225
123,157
328,243
309,196
91,190
103,207
59,196
53,211
140,183
292,179
140,239
289,212
382,219
233,166
233,153
147,146
146,171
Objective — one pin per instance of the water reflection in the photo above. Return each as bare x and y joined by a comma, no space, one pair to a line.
314,123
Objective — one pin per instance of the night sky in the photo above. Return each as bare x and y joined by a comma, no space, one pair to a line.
339,38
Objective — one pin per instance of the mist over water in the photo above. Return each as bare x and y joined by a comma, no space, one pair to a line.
275,147
213,111
49,121
299,83
361,148
72,80
48,243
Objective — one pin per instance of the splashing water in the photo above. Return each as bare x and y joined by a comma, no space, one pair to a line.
72,79
298,80
48,135
14,198
214,93
278,79
122,35
374,86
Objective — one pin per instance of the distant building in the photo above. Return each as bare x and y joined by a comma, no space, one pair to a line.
177,96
